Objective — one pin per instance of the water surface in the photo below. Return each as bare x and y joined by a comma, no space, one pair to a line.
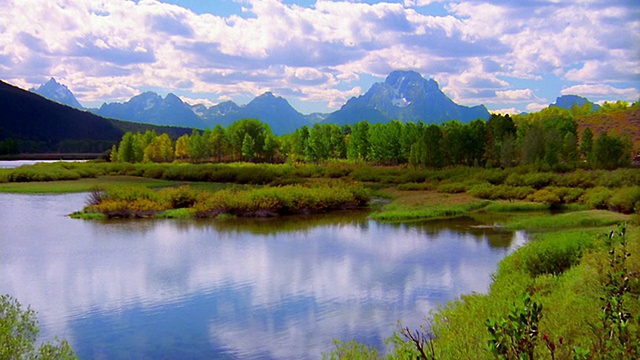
237,289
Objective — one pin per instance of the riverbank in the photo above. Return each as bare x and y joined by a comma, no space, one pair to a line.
413,194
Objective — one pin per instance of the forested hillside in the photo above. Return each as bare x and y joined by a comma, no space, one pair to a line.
29,123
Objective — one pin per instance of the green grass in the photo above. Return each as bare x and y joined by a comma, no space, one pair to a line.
519,206
438,211
80,185
586,218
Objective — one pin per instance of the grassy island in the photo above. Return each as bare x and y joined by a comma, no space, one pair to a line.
187,201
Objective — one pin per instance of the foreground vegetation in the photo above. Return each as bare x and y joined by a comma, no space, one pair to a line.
19,331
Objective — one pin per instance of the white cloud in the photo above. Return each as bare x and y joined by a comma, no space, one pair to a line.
602,90
533,107
505,111
475,51
518,95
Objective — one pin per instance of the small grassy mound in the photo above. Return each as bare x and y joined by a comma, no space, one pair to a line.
186,201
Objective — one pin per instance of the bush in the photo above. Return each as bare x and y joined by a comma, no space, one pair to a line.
536,180
553,255
578,179
504,192
254,175
556,195
19,331
338,170
626,200
452,188
596,198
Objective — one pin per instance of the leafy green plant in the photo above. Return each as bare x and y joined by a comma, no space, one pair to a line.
351,350
19,331
516,336
619,338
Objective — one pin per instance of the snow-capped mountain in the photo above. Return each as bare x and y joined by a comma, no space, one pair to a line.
408,97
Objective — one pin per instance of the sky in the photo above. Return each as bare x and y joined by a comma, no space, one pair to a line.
510,55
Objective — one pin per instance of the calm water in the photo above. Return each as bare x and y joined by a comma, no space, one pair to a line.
241,289
10,164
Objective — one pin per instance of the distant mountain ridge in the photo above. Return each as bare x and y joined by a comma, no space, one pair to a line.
567,102
57,92
408,97
151,108
404,96
268,108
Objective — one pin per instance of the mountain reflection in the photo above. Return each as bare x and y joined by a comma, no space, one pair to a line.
259,288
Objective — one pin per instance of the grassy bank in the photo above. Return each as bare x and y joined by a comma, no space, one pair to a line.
81,185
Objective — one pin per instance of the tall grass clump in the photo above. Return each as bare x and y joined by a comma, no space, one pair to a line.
500,192
266,201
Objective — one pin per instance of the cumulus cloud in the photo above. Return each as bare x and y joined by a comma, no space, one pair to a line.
602,90
518,95
476,51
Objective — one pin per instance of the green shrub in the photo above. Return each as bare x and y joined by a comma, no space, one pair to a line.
626,200
417,186
452,188
554,254
492,176
578,179
536,180
504,192
596,198
556,195
338,170
254,175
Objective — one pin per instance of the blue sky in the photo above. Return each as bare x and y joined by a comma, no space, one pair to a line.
511,56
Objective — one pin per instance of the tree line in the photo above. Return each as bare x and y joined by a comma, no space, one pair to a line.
548,138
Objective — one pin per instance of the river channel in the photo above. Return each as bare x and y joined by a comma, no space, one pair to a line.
233,289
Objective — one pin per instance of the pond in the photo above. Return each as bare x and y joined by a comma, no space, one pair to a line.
234,289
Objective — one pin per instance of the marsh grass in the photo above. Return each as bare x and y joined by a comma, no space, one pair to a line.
520,206
585,218
81,185
185,201
414,205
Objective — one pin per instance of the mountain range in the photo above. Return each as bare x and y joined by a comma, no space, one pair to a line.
404,96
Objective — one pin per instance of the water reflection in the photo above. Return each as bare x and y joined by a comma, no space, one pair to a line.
247,288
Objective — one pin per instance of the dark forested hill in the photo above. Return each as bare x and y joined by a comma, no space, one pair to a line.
32,123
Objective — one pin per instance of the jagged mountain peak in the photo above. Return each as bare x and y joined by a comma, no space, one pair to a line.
57,92
406,96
